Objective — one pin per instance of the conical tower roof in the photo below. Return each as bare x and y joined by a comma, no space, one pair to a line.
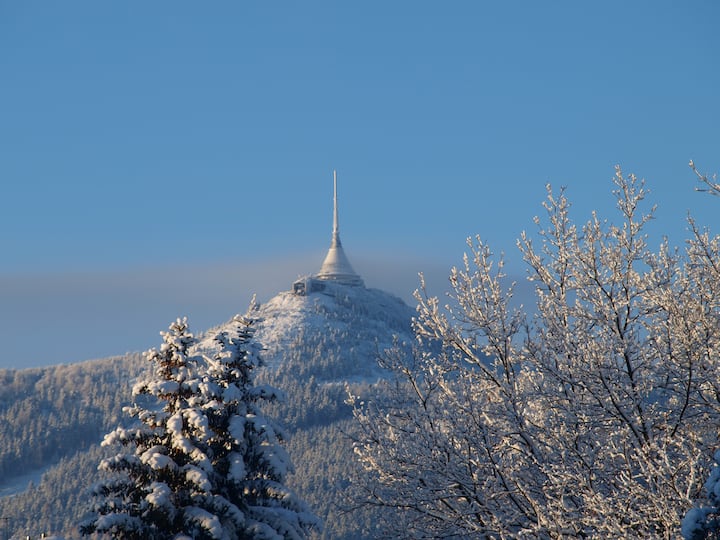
336,266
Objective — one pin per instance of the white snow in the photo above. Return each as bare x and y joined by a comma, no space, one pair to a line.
198,477
17,484
207,521
364,320
162,387
237,467
118,520
693,522
237,427
159,495
197,420
175,424
156,458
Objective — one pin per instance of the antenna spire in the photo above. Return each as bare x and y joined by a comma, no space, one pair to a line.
336,226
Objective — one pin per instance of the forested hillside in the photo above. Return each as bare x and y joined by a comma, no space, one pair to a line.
54,418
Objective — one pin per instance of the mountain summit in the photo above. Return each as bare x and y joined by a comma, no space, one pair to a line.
340,325
333,309
351,324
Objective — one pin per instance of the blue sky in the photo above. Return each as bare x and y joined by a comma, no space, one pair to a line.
169,158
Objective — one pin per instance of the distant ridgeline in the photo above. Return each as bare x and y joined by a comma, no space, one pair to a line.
332,312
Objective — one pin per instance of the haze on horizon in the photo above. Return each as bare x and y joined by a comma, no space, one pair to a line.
172,159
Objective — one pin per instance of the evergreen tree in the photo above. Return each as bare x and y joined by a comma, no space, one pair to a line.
249,462
206,463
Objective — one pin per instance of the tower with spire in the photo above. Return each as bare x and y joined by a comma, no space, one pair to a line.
336,267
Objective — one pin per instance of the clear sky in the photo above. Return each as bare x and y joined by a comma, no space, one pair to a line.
160,159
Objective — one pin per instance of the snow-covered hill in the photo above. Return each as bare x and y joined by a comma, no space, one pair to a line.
314,343
352,324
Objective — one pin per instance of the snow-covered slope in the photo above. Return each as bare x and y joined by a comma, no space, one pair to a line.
339,331
312,342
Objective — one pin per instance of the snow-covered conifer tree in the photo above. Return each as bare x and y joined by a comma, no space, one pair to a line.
146,499
206,463
249,462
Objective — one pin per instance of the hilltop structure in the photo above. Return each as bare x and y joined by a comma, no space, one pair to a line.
336,267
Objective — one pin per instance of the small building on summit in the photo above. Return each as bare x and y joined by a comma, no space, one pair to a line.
336,267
